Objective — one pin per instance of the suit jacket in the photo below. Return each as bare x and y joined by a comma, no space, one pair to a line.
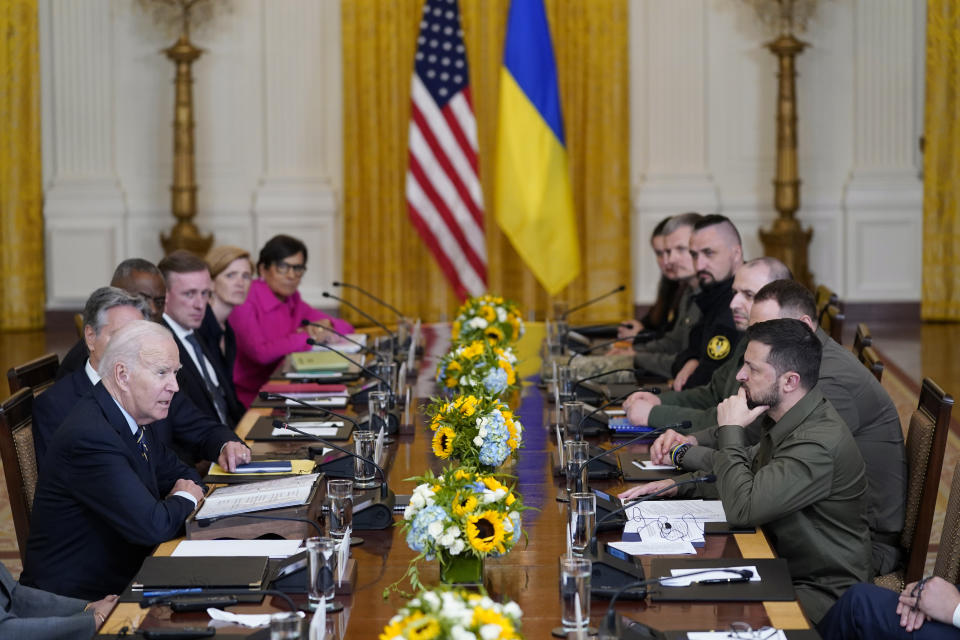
192,435
100,507
210,332
75,359
38,615
192,383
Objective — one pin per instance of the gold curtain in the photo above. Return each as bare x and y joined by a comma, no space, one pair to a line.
941,164
21,194
382,250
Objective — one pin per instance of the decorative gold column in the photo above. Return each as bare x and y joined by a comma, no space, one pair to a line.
183,192
22,296
787,241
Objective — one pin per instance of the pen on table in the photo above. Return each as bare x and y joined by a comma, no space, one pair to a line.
171,592
722,580
637,463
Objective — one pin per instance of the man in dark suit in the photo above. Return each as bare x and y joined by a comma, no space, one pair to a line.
38,615
111,490
136,276
191,434
189,287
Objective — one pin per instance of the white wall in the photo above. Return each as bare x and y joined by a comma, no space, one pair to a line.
269,149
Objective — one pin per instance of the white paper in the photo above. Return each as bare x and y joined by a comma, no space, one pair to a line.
559,446
680,578
703,510
343,554
646,465
257,496
378,447
318,623
662,527
725,635
314,401
655,547
246,619
320,432
237,548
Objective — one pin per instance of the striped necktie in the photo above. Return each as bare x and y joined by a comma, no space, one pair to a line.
142,443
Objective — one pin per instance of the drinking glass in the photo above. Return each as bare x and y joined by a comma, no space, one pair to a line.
377,406
565,383
582,518
340,501
575,453
364,473
575,581
285,626
322,568
572,416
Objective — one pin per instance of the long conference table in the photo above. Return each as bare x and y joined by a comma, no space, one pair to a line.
529,574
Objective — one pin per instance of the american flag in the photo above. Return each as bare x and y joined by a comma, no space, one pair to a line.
443,183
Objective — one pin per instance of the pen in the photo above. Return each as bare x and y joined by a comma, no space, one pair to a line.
637,463
721,580
171,592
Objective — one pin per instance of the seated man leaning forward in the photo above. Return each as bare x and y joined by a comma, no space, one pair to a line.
804,482
111,490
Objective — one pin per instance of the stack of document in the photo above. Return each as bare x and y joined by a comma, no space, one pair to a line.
237,548
346,346
668,526
258,496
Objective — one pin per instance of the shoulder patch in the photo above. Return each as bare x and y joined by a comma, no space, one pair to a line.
719,347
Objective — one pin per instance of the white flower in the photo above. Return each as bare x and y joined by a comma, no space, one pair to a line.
459,633
408,512
490,632
457,547
493,496
435,528
432,600
417,501
478,441
477,323
482,432
451,534
501,314
512,610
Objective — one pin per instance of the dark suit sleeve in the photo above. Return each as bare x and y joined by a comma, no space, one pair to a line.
45,627
101,477
47,416
196,431
75,359
170,468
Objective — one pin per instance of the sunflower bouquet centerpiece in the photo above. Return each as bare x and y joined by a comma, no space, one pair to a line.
489,318
478,368
460,518
451,614
478,431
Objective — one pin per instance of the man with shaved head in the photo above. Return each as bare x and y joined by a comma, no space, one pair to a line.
112,490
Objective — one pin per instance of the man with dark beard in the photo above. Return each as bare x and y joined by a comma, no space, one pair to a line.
804,481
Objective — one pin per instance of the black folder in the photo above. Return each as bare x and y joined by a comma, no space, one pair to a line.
774,584
165,572
262,430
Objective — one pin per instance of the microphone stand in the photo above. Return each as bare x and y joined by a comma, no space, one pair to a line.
364,348
393,337
590,302
345,285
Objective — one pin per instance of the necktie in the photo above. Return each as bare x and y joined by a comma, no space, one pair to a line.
216,393
142,443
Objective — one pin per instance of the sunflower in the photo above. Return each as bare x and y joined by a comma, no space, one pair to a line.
451,382
485,531
483,617
460,474
443,442
454,366
464,504
492,483
475,349
425,628
487,313
493,334
455,330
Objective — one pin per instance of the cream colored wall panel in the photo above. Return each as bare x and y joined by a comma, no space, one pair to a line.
80,257
883,256
319,232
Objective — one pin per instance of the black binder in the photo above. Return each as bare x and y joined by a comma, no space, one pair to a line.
774,583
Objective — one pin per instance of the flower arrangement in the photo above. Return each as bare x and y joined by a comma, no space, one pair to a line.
460,514
478,368
488,317
447,614
477,431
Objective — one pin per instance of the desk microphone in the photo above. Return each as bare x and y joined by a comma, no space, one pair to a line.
577,383
393,337
363,347
590,302
149,602
593,348
346,285
632,440
268,395
584,418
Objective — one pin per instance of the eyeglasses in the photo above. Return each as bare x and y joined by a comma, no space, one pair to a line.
285,267
744,631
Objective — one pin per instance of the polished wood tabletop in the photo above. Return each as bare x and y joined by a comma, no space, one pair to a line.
529,574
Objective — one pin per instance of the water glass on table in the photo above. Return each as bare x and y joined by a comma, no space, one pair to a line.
575,453
322,569
340,502
582,514
378,404
565,383
574,590
572,416
285,626
364,473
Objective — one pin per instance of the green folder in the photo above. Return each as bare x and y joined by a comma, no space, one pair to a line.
318,361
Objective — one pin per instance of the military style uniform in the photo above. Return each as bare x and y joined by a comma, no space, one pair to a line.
861,402
714,338
805,484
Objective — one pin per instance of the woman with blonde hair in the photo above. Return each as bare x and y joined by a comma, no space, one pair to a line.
232,271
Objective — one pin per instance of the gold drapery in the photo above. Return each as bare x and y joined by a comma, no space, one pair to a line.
21,191
382,250
941,164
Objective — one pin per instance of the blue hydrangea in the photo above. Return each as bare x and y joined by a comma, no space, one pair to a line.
515,519
493,452
417,536
441,374
496,380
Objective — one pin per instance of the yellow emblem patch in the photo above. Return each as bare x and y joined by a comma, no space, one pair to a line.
718,348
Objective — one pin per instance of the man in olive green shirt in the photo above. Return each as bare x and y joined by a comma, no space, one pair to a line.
804,482
858,398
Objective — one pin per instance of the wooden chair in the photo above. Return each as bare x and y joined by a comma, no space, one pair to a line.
926,440
78,323
39,374
948,555
866,353
824,297
831,320
19,460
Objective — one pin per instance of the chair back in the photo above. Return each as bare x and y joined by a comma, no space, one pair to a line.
39,374
78,324
19,460
861,339
831,321
866,353
926,441
948,555
825,296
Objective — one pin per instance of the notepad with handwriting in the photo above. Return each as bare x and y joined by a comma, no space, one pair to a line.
258,496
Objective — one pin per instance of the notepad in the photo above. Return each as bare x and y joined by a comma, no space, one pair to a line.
290,491
237,548
318,361
321,430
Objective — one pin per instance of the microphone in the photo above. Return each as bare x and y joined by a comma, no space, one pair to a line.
146,603
267,395
590,302
384,491
583,419
366,315
372,297
577,383
605,452
363,347
593,348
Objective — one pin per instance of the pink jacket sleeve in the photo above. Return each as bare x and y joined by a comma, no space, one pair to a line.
260,341
315,315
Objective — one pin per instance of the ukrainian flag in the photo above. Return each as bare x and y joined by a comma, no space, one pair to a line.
533,200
